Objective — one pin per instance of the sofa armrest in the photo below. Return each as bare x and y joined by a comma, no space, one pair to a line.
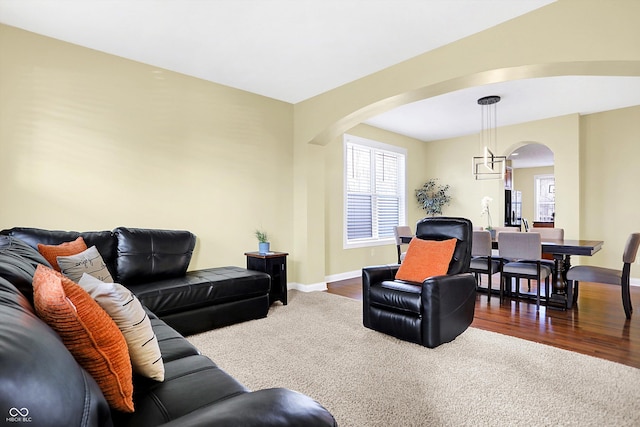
448,307
276,407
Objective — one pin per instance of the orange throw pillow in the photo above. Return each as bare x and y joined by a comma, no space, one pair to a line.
426,258
51,252
88,332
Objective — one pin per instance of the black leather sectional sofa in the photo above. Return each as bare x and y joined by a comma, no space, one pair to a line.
153,264
41,383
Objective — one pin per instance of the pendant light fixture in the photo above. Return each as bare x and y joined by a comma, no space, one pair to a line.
489,166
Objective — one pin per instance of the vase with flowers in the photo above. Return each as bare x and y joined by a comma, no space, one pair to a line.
486,201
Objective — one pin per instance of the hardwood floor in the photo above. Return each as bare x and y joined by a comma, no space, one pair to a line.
596,327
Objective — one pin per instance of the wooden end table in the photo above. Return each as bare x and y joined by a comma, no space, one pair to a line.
275,265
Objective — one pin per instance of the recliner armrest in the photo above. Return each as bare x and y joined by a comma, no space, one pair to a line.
460,279
378,273
448,307
371,276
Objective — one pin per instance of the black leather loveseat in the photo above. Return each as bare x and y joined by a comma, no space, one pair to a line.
42,384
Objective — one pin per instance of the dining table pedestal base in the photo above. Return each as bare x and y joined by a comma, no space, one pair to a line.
559,298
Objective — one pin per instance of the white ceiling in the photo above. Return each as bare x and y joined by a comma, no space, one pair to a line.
292,50
289,50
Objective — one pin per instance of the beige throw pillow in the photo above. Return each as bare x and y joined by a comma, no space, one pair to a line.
88,261
127,312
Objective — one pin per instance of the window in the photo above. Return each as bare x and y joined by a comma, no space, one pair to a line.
545,197
374,182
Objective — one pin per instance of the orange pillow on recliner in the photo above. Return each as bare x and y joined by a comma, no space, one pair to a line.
426,258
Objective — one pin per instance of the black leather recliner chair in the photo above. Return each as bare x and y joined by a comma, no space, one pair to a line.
429,313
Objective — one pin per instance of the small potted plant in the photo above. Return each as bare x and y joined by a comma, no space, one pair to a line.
432,197
263,241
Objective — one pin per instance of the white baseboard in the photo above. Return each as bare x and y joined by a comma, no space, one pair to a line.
343,276
322,286
313,287
634,282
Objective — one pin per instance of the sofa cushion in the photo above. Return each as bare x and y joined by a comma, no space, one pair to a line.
191,383
202,288
132,320
88,332
89,261
146,255
18,262
172,345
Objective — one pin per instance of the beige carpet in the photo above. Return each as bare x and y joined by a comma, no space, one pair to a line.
318,346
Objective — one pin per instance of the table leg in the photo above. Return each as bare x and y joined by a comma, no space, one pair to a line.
561,294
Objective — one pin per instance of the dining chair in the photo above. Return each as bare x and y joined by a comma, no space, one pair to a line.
548,233
522,253
499,230
482,261
401,231
610,276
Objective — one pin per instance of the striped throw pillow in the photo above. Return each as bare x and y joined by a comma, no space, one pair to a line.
126,310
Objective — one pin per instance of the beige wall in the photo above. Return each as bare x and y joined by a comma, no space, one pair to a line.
609,202
91,141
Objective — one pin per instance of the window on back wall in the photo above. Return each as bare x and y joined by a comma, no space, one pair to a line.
374,182
545,197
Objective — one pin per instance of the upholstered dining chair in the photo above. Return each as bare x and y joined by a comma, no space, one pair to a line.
546,234
435,304
401,231
482,261
587,273
523,252
499,230
549,233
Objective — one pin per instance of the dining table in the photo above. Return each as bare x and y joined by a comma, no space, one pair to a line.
562,295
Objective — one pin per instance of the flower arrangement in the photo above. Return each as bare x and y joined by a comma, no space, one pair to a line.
432,197
486,200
